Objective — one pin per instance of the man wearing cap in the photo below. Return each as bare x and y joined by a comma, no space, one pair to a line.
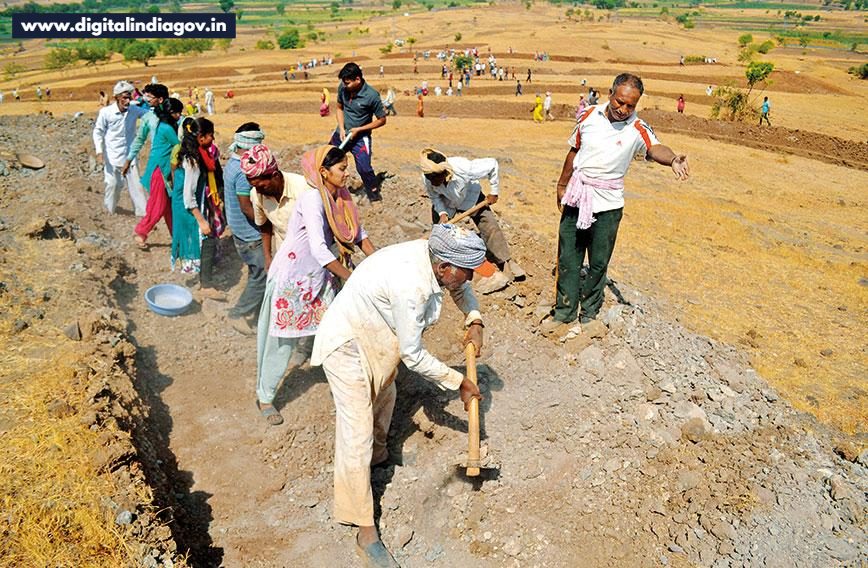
272,198
245,234
453,185
360,111
375,322
113,134
590,194
154,95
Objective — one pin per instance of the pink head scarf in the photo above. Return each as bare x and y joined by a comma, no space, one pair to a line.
258,161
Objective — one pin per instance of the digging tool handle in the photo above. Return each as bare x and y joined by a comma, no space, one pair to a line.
461,216
473,415
346,142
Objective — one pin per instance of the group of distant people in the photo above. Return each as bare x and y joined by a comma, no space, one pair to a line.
41,94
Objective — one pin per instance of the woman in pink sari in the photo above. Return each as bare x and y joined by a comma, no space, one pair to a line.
304,276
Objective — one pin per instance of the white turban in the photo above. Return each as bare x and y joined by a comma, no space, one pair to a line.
459,247
122,87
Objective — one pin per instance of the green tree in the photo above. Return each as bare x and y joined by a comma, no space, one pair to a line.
396,4
141,51
265,44
60,58
803,40
176,6
411,41
756,72
744,40
458,36
281,8
386,49
93,52
289,39
226,5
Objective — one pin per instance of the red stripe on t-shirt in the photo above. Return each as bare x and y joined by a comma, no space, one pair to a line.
644,133
582,118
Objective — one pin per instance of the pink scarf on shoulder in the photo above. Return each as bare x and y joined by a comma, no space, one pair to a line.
579,194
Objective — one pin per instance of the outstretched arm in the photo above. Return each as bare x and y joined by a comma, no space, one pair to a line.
664,155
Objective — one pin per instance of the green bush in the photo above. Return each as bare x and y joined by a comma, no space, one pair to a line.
861,71
458,36
744,40
289,39
60,58
265,44
766,46
183,46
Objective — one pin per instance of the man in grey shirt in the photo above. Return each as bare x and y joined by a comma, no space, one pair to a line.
360,111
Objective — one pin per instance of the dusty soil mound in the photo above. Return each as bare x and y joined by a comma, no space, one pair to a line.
67,340
632,443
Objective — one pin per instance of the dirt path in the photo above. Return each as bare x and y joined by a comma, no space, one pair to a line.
637,444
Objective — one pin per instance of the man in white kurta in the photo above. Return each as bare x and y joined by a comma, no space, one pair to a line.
113,135
375,322
453,185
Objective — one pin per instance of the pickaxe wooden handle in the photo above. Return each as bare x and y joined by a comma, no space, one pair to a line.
461,216
472,416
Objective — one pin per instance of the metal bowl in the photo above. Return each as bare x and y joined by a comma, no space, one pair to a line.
168,299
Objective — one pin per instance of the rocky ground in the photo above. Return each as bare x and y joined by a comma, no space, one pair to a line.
631,443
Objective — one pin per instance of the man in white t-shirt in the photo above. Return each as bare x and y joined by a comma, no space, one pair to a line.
590,194
547,106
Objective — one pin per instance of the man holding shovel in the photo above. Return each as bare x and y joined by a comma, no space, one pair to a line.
453,185
360,111
375,322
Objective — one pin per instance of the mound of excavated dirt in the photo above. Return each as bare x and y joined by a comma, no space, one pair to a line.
631,443
58,309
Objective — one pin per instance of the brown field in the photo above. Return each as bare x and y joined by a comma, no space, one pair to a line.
769,244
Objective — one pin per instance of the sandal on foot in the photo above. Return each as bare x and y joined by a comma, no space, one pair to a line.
272,415
140,242
375,555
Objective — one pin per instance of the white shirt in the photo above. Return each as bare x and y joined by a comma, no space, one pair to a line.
461,192
547,103
606,150
209,97
114,131
386,304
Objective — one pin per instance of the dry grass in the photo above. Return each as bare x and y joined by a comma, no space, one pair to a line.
50,496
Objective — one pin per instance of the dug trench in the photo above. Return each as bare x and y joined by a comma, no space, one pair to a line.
635,443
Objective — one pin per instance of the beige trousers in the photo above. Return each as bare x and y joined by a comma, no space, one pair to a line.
364,413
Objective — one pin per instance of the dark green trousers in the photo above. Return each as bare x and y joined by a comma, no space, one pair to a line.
599,242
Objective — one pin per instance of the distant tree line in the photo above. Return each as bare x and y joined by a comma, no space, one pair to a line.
95,51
